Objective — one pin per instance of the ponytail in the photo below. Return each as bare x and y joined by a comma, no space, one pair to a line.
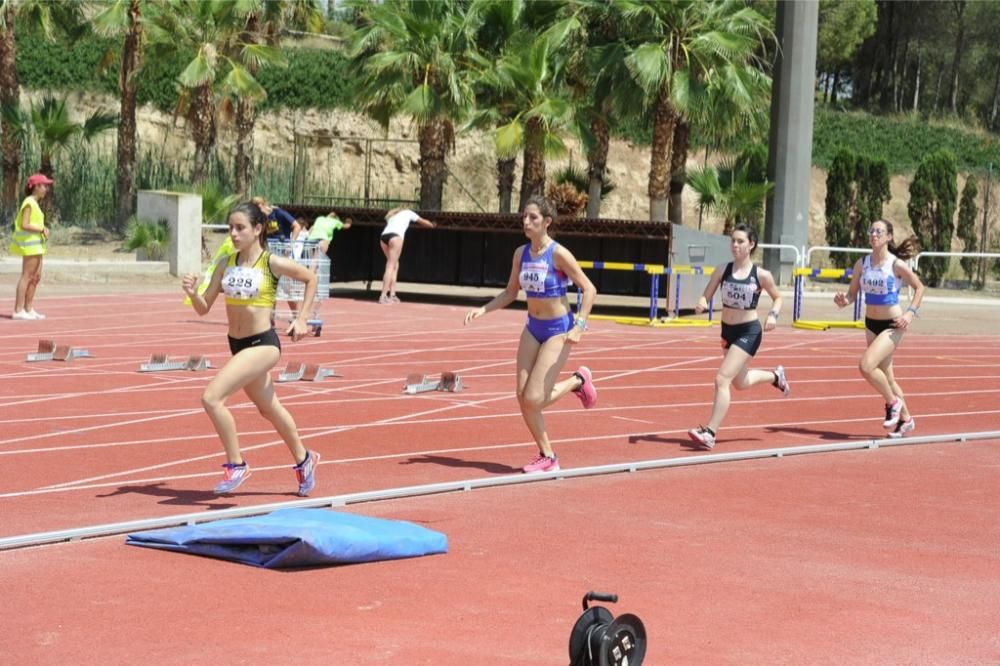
906,249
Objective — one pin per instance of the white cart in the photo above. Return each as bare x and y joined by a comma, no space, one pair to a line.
291,293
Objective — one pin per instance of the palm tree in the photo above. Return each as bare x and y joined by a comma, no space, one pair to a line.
540,112
55,131
43,17
265,24
125,17
591,63
9,98
214,32
736,191
728,106
414,58
668,47
495,21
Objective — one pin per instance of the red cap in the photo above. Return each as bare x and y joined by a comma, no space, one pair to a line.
39,179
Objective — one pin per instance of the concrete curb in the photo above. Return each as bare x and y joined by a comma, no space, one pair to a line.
68,270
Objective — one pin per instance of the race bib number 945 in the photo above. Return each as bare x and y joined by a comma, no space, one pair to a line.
533,276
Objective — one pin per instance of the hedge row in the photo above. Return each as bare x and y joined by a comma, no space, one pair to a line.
313,78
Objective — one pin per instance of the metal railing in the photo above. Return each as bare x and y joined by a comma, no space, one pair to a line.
832,248
781,246
916,260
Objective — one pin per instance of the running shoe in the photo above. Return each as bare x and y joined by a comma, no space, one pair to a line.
22,315
586,392
781,382
892,414
394,299
703,436
383,300
234,476
542,464
903,427
306,473
35,314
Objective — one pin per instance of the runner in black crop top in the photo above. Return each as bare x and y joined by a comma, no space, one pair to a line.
741,282
740,294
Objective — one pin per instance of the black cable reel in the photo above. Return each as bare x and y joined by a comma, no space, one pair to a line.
600,639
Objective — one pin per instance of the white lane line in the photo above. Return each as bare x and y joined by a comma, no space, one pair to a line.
460,450
414,419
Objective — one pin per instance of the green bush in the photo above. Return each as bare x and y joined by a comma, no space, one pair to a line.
65,66
152,238
902,141
313,79
933,199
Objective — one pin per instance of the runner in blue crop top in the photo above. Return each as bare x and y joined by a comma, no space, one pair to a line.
251,275
539,277
879,276
741,282
542,268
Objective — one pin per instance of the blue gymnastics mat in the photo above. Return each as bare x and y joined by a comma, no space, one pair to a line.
298,538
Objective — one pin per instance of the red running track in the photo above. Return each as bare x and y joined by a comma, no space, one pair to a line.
850,557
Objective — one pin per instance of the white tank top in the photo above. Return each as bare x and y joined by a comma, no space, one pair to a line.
398,223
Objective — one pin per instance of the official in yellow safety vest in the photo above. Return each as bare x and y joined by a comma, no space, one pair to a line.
30,242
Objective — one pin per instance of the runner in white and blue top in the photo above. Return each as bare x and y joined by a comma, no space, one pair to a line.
741,282
880,276
879,282
542,268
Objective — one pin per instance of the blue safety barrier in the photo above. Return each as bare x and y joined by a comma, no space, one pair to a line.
298,538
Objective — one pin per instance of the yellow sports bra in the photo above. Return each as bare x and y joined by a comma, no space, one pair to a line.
250,286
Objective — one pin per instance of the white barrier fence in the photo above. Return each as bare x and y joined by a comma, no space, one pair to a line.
916,260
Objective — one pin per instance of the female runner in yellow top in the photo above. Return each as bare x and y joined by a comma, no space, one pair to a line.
249,280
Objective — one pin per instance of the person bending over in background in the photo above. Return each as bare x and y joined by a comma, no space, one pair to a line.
397,221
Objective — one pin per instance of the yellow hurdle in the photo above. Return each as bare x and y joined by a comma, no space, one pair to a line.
813,325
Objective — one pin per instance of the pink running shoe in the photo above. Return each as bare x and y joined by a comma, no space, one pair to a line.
234,476
892,414
903,427
542,464
703,436
587,393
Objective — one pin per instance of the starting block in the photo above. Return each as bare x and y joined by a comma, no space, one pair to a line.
418,383
295,372
48,350
161,363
